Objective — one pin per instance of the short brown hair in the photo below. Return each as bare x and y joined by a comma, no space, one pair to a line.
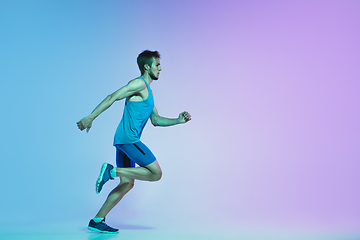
146,57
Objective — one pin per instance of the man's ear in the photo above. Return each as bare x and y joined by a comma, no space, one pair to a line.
146,66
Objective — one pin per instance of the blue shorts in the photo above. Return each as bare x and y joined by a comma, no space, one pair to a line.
129,154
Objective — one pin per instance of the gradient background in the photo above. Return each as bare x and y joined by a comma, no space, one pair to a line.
273,88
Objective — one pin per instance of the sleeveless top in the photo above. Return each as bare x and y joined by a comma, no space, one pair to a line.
135,117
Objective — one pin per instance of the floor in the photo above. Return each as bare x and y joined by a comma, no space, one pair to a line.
76,230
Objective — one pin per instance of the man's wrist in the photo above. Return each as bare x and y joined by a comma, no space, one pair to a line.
91,117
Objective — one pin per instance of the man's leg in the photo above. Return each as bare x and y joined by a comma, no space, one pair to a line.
142,155
151,172
98,224
115,196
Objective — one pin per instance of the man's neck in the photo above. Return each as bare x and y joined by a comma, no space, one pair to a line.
147,78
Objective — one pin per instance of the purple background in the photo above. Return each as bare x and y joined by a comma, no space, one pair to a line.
273,88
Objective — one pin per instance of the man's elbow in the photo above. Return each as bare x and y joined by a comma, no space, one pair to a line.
112,98
154,122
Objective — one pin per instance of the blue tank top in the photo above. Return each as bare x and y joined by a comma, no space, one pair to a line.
135,117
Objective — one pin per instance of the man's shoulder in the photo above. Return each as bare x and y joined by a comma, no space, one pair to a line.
137,83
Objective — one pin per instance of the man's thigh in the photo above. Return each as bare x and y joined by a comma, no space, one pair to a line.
122,160
138,153
154,168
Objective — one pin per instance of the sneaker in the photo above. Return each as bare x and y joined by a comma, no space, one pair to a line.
104,176
101,227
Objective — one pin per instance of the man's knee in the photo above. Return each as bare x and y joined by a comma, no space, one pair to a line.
155,170
157,175
131,185
128,184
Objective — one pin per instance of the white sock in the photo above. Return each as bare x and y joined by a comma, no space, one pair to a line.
97,220
113,172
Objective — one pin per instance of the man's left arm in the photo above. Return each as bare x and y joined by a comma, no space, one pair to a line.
157,120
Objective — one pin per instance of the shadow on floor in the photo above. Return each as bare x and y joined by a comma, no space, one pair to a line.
134,227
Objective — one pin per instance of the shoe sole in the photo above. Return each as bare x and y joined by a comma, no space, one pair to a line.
100,231
100,178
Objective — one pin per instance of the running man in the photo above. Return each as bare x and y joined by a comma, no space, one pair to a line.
139,107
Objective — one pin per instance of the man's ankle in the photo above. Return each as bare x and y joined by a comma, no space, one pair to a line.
97,219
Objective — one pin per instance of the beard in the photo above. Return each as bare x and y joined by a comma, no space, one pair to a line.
153,77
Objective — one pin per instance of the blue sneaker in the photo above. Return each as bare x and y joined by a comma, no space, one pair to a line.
101,227
104,176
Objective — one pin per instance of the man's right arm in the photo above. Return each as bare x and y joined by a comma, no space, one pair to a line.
133,87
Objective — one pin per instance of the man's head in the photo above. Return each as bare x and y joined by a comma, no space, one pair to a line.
148,60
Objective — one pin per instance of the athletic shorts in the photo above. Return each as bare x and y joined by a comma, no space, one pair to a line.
129,154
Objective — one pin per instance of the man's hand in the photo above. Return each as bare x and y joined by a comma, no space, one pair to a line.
85,123
184,117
